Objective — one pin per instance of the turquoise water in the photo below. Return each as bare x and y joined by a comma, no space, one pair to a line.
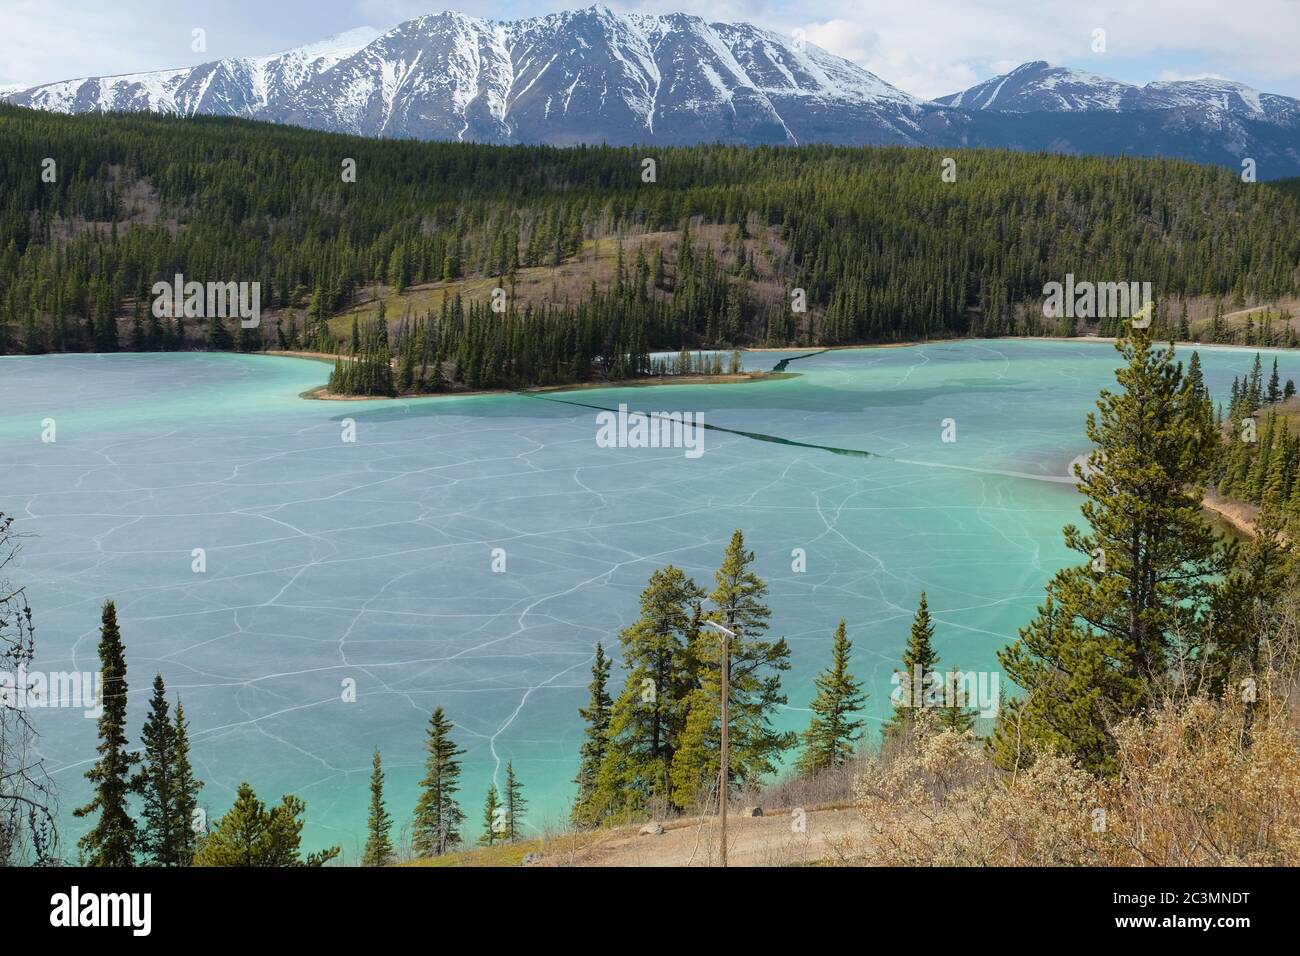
372,561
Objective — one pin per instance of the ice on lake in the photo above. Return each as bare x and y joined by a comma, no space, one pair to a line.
331,563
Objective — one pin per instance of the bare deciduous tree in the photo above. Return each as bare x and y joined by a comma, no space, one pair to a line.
27,831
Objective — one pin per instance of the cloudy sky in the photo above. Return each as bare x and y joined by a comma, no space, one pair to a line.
926,47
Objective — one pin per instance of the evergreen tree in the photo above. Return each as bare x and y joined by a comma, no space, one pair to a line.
186,789
919,662
647,718
596,714
1114,630
160,834
515,804
112,841
755,672
379,847
492,824
953,714
832,733
251,835
437,815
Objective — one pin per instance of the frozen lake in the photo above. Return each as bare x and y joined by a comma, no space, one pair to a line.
330,562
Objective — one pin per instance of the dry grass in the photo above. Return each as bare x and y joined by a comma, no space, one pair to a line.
1194,788
571,281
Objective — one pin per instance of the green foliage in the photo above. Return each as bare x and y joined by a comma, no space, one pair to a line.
186,789
165,839
922,686
112,841
596,715
515,804
1114,631
884,250
438,817
832,733
491,822
379,847
251,835
647,719
756,665
369,369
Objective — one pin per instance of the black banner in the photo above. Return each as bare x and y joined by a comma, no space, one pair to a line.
335,904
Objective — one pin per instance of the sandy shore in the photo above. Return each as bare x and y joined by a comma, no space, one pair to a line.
1239,514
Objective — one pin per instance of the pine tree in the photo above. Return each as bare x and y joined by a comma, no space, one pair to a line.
492,824
379,847
515,804
756,666
647,718
438,817
156,782
251,835
832,733
187,790
1112,630
919,662
953,714
592,754
112,841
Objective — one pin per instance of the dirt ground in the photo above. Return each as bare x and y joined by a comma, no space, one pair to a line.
771,840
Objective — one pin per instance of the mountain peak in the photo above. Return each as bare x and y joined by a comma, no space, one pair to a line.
593,75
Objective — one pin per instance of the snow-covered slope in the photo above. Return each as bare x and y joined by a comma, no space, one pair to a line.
1040,87
579,76
593,76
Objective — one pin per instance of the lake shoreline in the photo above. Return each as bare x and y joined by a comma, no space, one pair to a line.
321,393
1239,515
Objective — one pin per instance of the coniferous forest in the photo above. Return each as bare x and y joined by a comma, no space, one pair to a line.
814,246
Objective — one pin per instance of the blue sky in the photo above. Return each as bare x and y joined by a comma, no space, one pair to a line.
926,47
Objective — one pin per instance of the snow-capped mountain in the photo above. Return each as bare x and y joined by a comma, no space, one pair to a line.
1039,106
582,76
1041,87
593,76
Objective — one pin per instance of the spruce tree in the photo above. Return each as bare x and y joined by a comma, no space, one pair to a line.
379,847
1114,630
832,733
756,667
953,714
647,719
592,753
438,817
515,804
919,662
491,821
187,790
112,841
156,783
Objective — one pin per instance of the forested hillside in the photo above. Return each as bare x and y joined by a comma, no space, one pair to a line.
98,208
